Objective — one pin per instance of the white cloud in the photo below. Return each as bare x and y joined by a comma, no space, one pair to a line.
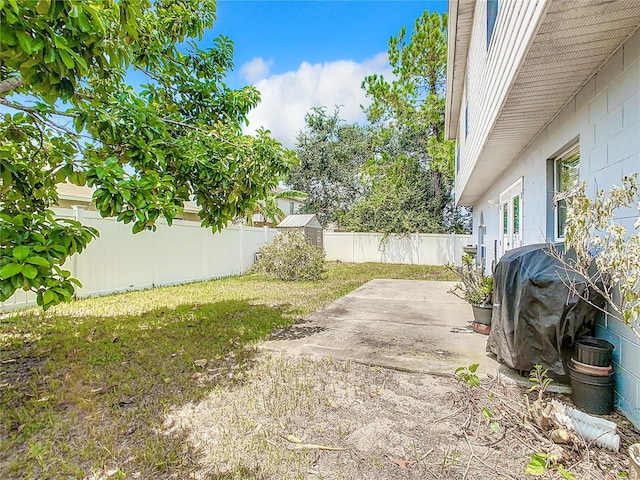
256,69
288,97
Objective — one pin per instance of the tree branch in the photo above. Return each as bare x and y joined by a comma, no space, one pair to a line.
198,129
23,108
9,84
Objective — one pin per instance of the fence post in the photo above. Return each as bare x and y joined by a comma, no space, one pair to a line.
353,247
154,261
78,215
241,248
453,249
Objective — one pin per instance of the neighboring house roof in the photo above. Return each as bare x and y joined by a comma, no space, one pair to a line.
69,191
293,221
75,193
556,54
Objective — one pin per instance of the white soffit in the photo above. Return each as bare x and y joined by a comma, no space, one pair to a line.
575,39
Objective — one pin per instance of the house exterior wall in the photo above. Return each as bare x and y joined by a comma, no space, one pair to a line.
604,117
290,206
490,72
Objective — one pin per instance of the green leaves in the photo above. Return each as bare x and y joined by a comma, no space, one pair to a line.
9,270
35,264
145,154
48,297
537,465
494,425
21,252
40,261
596,230
29,271
291,257
468,375
540,462
43,7
28,43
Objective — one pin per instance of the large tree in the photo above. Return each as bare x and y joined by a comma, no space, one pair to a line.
71,116
332,153
408,116
398,201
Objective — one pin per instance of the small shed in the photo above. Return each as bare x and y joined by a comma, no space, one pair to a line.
308,223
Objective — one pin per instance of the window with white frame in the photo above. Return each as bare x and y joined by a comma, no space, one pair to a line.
566,171
511,216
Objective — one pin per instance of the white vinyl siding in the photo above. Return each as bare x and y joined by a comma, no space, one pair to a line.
489,74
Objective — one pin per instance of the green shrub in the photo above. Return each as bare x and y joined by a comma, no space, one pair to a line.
290,257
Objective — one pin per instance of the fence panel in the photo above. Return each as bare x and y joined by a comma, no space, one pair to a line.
421,249
117,260
185,252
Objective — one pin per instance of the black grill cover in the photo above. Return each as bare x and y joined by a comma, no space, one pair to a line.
534,317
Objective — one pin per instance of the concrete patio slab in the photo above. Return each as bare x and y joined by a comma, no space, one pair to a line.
408,325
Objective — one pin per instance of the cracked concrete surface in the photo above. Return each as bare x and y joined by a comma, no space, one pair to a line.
408,325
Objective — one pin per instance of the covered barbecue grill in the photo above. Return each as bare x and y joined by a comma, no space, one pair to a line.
534,316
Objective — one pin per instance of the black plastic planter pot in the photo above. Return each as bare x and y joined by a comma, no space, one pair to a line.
592,393
593,351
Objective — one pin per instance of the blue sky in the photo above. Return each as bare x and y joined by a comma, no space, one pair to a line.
301,54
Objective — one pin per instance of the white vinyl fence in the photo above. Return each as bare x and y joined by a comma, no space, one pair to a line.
185,252
417,248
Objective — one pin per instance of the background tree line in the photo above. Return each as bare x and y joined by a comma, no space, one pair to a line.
395,174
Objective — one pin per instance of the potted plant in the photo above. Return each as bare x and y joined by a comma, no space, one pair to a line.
475,288
605,244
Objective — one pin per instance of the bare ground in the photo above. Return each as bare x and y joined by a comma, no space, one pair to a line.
297,418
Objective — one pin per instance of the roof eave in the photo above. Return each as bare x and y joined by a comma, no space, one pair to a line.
457,48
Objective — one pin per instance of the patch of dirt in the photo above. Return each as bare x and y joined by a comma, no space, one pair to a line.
295,332
297,418
18,373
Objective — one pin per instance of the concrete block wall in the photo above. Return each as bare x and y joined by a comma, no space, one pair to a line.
612,100
604,116
626,364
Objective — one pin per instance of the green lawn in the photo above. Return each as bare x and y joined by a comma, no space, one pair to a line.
86,385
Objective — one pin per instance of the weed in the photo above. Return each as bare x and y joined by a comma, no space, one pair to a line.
539,380
468,375
377,462
291,257
495,426
540,462
449,460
